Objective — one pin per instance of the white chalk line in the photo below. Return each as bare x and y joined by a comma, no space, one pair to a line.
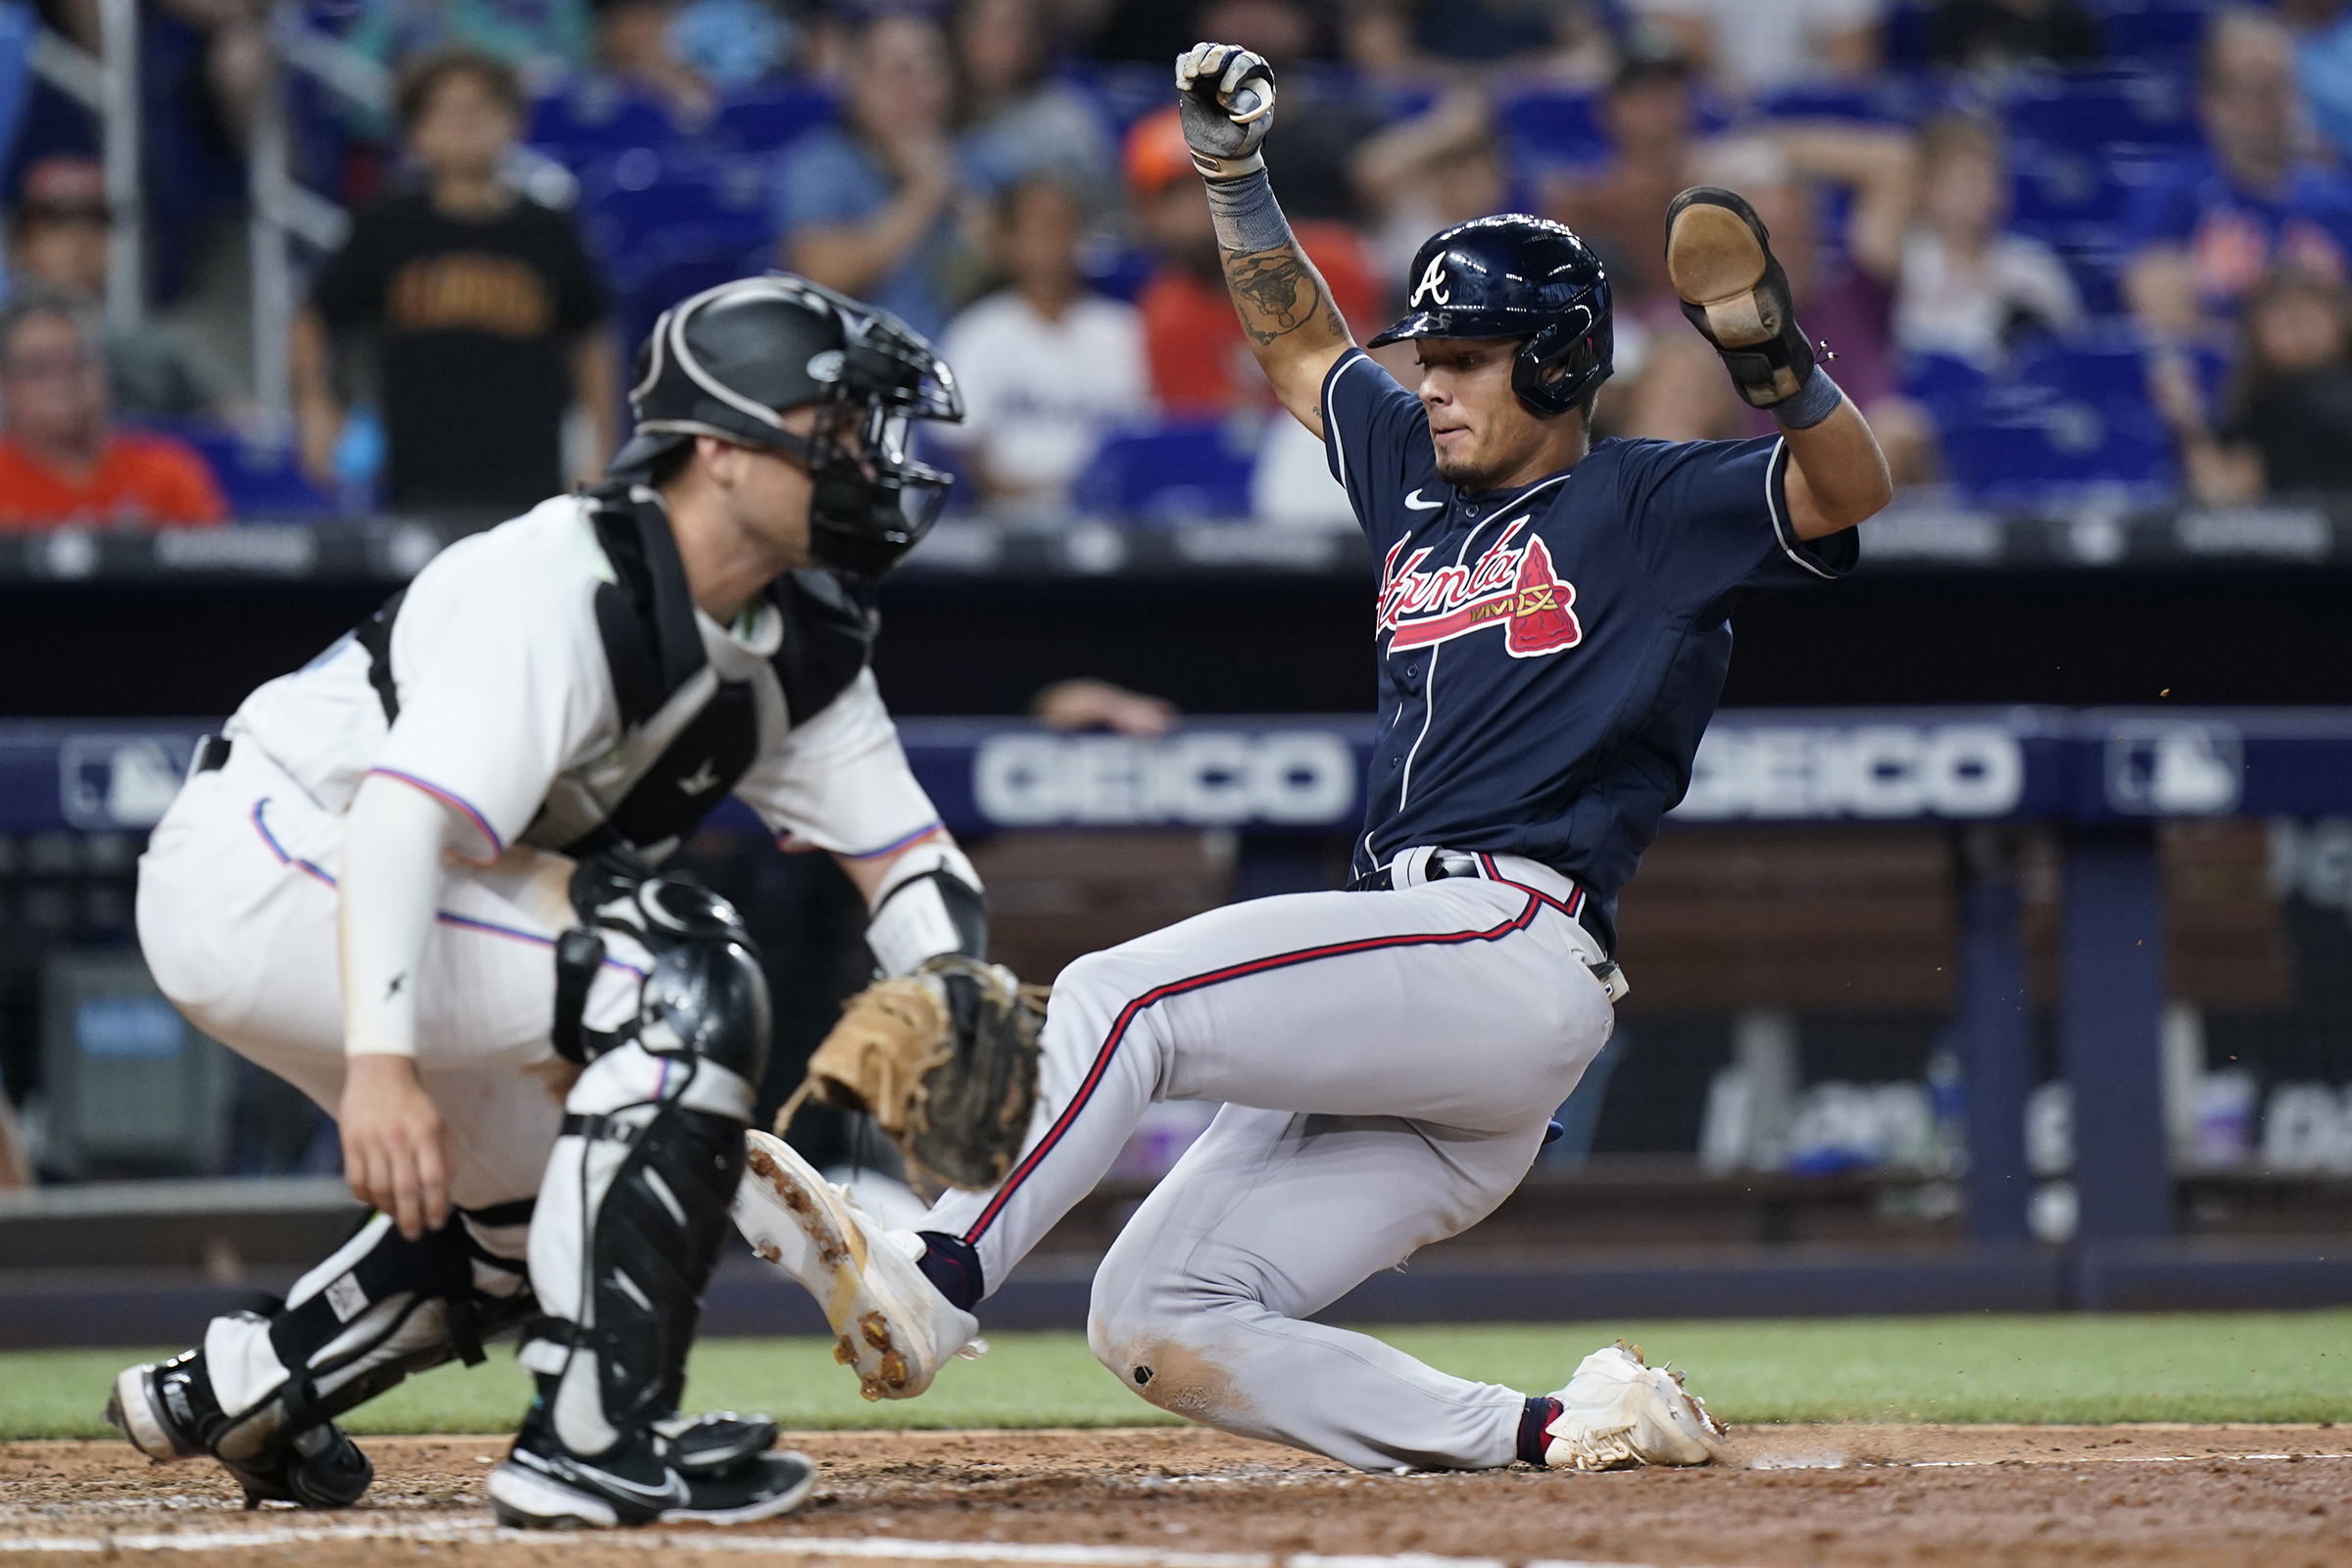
478,1531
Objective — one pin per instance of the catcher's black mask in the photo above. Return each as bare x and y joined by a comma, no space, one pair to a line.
732,361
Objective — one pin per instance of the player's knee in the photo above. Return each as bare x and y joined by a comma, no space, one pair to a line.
1176,1363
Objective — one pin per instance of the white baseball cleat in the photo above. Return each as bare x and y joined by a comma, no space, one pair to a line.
1619,1411
889,1320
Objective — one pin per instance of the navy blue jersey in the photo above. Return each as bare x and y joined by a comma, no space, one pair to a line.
1551,654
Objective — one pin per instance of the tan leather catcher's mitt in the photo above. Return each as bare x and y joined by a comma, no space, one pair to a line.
944,1059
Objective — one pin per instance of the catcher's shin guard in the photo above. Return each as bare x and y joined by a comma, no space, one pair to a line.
1734,290
261,1393
634,1204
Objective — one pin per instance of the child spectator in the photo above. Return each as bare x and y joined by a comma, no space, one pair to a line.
2286,422
62,231
1046,367
1965,286
488,316
61,460
1200,364
2210,229
868,206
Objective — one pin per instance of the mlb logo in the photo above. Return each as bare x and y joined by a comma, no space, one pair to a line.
2174,771
120,781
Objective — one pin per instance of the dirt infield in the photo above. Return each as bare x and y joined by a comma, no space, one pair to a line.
2196,1497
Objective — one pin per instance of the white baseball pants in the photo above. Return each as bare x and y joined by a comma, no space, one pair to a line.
236,915
1387,1061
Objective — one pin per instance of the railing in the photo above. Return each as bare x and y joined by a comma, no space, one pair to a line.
108,85
284,211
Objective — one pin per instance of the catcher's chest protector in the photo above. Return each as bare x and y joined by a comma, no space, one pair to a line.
686,735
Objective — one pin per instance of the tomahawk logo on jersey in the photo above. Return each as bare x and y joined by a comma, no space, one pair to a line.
1516,589
1550,655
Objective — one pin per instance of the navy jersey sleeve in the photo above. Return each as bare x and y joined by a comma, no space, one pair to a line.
1712,518
1376,436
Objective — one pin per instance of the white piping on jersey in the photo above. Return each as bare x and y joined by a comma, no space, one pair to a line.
1780,532
1331,427
1428,687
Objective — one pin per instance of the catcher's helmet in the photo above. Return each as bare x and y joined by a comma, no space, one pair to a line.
730,360
1513,275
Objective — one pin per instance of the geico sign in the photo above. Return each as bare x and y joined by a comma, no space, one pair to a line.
1207,778
1879,770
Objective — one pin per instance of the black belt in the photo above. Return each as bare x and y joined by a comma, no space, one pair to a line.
1445,864
211,750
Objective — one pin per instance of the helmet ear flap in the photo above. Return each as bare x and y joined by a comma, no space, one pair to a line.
1556,367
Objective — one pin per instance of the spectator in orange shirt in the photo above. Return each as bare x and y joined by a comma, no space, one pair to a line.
61,458
1199,365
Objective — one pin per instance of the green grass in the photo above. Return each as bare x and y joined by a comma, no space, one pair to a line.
2207,1367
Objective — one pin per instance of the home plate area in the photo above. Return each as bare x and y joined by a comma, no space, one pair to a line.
2227,1497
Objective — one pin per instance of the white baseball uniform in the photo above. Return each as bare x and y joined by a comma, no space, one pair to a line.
511,698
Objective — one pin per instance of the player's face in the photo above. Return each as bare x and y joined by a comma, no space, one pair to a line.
1483,433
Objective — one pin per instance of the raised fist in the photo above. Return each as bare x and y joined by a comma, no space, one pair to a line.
1226,97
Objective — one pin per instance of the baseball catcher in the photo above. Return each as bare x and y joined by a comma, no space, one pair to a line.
421,879
1551,638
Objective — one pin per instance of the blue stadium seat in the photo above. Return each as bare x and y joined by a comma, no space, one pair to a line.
1173,473
1552,126
673,223
594,117
2162,30
2063,417
769,118
1125,93
1885,101
2091,109
260,480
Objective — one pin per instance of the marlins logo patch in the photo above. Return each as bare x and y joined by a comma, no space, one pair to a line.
1514,587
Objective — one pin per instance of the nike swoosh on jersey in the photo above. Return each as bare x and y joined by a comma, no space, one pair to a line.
701,779
1414,501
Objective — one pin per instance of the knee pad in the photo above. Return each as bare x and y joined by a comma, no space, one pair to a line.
704,992
381,1308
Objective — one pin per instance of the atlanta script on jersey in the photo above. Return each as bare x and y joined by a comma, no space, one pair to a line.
1550,655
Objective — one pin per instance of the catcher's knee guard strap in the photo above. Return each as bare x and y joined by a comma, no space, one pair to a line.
631,1216
381,1308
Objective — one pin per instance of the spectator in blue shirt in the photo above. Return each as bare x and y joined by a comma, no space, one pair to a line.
870,206
2207,232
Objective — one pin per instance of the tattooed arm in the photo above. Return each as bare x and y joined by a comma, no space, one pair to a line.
1293,329
1225,99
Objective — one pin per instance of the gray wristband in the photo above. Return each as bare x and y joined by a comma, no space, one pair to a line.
1247,216
1815,402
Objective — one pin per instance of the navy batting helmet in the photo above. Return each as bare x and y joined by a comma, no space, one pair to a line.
1513,275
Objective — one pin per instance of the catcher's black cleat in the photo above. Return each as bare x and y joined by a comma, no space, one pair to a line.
1734,290
167,1412
717,1470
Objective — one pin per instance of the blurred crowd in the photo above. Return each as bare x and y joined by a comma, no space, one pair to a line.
2055,247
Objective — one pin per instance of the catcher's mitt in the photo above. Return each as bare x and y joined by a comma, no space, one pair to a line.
944,1059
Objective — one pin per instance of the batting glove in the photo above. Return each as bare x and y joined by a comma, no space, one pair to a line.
1226,97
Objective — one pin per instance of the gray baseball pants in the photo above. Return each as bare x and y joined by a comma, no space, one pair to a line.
1387,1062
